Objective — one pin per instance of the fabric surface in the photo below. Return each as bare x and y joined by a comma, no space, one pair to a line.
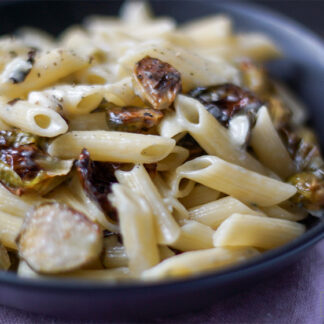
294,296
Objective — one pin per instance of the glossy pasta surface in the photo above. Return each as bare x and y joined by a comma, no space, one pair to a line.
133,148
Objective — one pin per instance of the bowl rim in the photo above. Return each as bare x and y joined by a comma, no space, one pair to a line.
309,238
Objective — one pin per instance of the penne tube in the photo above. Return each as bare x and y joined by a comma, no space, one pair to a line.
279,212
260,232
174,159
274,154
209,30
94,121
122,93
194,236
165,252
72,99
211,135
77,39
196,262
215,212
47,68
137,228
140,182
112,146
195,70
110,275
242,184
32,118
9,229
114,254
200,195
170,125
178,211
161,185
15,205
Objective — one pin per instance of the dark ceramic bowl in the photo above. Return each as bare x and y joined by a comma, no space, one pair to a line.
302,68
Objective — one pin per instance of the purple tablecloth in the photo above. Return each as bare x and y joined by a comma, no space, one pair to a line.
294,296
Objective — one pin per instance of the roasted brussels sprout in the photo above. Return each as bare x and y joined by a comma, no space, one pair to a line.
194,148
25,166
280,114
132,119
55,238
97,178
303,149
157,82
310,190
226,100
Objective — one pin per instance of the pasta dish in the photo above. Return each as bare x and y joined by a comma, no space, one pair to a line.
132,148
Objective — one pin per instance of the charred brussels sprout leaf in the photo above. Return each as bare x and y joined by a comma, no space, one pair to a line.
158,82
97,178
25,167
226,100
310,190
132,119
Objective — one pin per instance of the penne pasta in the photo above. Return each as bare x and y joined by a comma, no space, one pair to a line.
200,195
195,71
194,236
279,212
71,100
260,232
112,146
9,229
139,181
114,254
178,211
46,69
233,180
32,118
174,159
122,93
196,262
110,275
274,155
210,134
170,126
165,252
215,212
17,206
137,228
90,122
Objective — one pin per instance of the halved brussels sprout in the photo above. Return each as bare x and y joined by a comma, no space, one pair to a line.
310,190
55,238
226,100
26,167
132,119
157,82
